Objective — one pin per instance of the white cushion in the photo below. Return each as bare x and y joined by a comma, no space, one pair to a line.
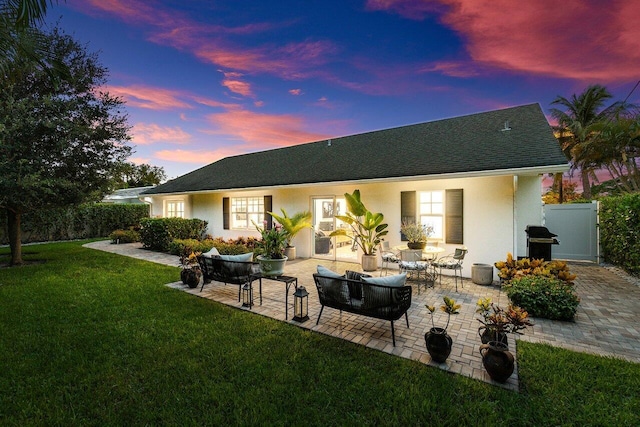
397,280
242,257
212,253
323,271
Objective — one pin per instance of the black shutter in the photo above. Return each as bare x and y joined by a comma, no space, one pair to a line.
268,207
225,213
453,216
407,209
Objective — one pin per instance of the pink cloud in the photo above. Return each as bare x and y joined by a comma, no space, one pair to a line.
451,68
139,160
295,92
411,9
263,129
232,82
150,133
198,157
148,97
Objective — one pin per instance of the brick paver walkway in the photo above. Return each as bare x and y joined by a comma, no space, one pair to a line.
606,321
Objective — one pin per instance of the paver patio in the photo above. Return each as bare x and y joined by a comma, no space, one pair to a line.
605,322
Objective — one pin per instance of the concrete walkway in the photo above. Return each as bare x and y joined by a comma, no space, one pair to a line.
606,321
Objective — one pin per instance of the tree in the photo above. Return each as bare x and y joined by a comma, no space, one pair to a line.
131,175
576,127
60,142
18,37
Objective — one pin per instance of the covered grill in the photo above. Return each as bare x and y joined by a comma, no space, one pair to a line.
539,241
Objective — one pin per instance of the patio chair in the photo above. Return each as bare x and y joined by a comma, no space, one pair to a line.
452,262
411,262
388,257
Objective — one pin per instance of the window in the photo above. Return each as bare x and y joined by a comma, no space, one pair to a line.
175,209
431,212
245,211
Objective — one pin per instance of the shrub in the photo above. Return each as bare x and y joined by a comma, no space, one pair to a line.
158,233
124,236
511,269
620,231
230,247
542,296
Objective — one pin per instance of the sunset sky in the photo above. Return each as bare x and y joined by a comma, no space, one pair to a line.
208,79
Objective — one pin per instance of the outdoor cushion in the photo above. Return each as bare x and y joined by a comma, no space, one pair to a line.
335,289
212,253
355,289
248,257
374,296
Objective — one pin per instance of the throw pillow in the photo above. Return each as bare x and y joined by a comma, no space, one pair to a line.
242,257
377,297
333,285
324,271
212,253
397,280
355,289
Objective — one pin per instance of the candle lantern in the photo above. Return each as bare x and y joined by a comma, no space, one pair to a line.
301,304
247,295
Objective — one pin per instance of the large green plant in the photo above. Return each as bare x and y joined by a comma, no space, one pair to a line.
367,227
620,231
292,225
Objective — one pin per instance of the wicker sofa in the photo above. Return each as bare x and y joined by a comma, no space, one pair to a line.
354,294
227,269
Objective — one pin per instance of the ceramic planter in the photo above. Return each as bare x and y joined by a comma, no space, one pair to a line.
438,344
271,266
497,360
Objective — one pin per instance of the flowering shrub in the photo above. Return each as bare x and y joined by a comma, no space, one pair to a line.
497,321
512,269
542,296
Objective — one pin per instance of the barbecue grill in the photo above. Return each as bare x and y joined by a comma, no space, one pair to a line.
539,241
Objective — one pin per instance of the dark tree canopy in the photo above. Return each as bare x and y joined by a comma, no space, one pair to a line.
130,175
60,142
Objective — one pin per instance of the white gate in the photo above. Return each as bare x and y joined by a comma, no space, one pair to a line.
577,228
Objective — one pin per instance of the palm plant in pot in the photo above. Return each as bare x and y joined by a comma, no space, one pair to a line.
416,234
271,249
367,229
437,340
292,225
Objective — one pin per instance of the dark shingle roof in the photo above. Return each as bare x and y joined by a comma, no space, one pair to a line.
472,143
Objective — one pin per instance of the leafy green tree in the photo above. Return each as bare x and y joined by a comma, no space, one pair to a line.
60,142
576,127
131,175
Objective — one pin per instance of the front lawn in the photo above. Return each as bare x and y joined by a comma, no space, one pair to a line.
95,338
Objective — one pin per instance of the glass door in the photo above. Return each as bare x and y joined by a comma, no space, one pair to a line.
325,210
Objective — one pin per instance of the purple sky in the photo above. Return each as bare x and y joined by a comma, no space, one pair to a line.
209,79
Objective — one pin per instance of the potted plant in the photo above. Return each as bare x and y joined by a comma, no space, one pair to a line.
416,234
367,229
292,225
497,323
437,340
190,273
271,249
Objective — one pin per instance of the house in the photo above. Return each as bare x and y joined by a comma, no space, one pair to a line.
476,179
126,195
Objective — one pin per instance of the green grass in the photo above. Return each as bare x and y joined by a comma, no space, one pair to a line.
90,338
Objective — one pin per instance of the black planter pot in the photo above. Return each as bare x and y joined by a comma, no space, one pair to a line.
487,335
497,360
191,277
438,344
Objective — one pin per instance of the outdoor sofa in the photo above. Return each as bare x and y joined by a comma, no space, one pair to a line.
234,269
386,298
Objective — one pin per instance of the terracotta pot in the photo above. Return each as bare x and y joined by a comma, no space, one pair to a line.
271,266
438,344
497,360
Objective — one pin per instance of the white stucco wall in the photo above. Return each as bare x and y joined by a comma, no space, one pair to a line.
496,211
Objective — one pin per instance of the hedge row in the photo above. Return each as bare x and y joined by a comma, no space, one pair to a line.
241,245
620,231
158,233
78,222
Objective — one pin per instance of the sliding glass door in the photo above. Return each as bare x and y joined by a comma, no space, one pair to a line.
341,248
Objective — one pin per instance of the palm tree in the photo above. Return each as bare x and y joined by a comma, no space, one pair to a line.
575,127
18,35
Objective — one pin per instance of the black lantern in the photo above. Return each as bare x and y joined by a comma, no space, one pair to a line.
247,295
301,304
